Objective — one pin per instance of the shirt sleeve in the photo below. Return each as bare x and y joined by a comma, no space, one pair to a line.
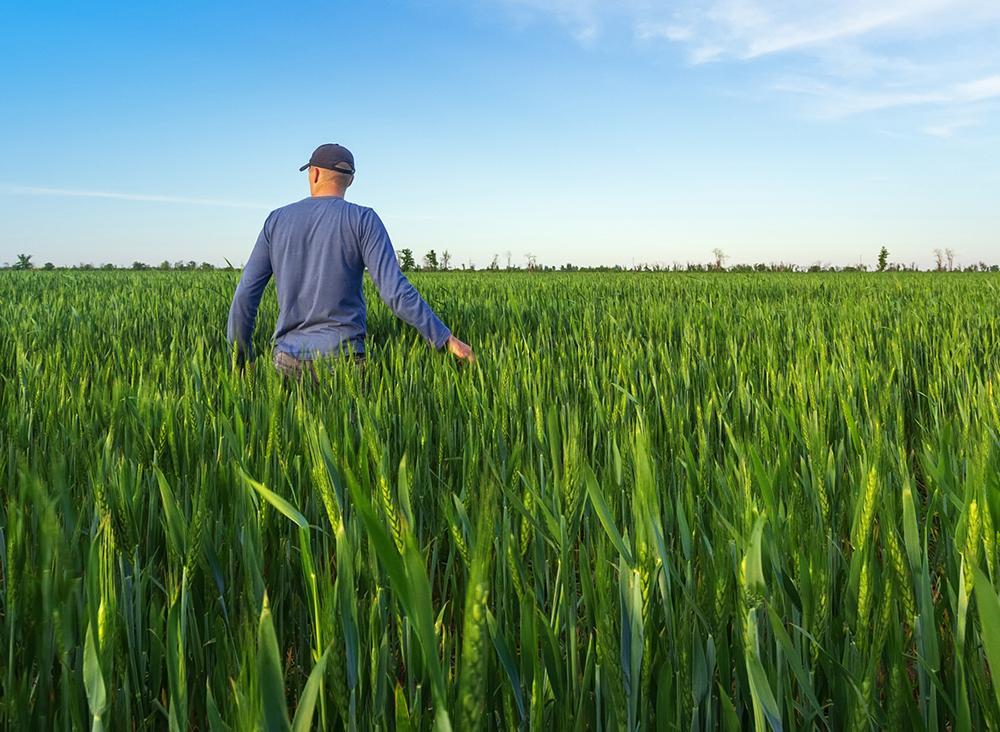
246,300
393,287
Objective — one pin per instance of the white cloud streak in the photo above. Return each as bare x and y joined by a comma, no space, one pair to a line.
974,91
850,56
20,190
947,130
749,29
840,102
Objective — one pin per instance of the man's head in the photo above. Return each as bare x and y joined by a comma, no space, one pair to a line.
331,170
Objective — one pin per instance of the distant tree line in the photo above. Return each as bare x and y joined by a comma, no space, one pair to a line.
24,262
944,261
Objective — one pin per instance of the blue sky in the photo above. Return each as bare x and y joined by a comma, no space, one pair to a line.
574,130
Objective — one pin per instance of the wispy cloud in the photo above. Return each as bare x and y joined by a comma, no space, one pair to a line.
19,190
974,91
749,29
840,101
849,56
584,19
948,129
676,32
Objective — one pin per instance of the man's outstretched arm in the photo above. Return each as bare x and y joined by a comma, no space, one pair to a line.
246,300
397,292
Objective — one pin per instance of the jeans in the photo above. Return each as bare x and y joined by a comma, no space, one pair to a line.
294,368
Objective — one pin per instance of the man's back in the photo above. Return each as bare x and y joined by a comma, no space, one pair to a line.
317,250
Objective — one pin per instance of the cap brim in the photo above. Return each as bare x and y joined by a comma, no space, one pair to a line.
334,169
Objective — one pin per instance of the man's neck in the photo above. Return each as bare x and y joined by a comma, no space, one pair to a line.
327,191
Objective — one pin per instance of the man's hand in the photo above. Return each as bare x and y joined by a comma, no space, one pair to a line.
461,351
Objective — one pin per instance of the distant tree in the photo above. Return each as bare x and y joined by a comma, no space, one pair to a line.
85,266
48,266
406,261
445,260
938,260
23,262
494,264
107,266
532,261
508,254
883,259
431,260
206,266
139,265
164,265
720,259
950,256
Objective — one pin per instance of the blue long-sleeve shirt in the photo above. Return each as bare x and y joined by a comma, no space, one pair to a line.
317,249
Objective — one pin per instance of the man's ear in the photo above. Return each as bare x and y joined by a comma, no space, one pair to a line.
313,174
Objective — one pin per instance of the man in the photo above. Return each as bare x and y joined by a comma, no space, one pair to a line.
318,249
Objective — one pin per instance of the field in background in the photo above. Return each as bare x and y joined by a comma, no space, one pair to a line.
658,501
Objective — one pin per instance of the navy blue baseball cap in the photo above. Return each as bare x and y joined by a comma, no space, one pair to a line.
332,157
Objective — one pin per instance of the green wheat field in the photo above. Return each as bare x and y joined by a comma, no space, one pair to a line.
658,501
